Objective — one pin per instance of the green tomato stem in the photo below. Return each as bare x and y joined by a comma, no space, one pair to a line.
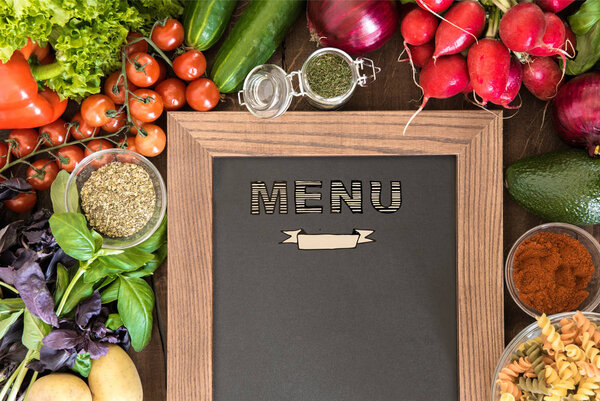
45,72
65,296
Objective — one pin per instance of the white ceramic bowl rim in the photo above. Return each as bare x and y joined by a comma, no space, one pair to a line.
161,182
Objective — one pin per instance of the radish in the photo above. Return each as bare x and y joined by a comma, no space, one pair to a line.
421,54
442,78
553,5
522,27
418,27
513,84
542,76
467,15
435,6
489,64
553,39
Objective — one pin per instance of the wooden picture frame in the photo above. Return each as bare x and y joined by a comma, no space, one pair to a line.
195,139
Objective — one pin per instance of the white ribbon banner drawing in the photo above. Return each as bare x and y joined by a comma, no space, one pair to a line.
327,241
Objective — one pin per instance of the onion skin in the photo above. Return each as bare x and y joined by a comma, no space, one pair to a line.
576,112
351,25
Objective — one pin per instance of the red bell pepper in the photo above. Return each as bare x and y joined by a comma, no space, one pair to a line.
21,105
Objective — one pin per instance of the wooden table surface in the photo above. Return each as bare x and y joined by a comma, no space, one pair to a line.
526,133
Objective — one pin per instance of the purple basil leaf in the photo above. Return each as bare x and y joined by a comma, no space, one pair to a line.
53,359
30,282
8,235
11,188
63,339
97,349
15,353
7,274
59,257
88,309
13,335
23,256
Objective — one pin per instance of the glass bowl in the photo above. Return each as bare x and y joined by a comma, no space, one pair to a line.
91,163
593,299
529,333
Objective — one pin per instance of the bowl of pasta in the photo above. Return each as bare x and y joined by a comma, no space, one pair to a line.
555,358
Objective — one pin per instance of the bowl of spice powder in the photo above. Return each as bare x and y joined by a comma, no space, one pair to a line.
121,194
552,268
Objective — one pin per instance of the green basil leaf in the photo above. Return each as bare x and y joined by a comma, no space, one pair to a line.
97,238
34,331
81,290
62,281
588,52
130,259
135,306
157,239
106,252
73,236
111,293
584,19
83,364
8,320
9,305
149,268
114,321
57,194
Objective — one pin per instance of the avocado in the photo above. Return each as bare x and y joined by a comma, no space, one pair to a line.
559,186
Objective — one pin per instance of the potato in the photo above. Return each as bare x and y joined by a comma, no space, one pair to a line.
59,387
115,378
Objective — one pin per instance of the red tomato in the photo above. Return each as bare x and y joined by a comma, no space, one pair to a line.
94,110
142,69
136,124
129,145
54,134
3,154
68,157
25,141
163,71
95,146
22,203
172,92
152,143
168,36
114,91
145,105
202,94
115,124
80,129
42,174
141,46
190,65
41,52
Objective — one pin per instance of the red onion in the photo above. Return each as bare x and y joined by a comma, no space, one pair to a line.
351,25
576,112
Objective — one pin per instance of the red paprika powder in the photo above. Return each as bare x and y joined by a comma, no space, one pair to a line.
552,271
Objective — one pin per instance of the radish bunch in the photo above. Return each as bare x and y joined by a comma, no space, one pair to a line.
521,45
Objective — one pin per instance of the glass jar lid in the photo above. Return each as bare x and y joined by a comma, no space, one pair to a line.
267,91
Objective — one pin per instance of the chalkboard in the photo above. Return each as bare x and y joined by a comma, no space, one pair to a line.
353,324
326,256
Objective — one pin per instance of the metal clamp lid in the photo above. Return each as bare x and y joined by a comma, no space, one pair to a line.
362,63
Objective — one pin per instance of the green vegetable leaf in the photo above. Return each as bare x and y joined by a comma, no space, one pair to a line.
73,236
62,282
8,320
83,364
588,52
135,306
57,194
149,268
584,19
114,321
157,239
9,305
81,290
34,331
130,259
111,293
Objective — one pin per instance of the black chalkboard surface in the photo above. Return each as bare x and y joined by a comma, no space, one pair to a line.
359,320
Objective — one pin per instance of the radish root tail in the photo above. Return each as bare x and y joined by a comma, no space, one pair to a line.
420,109
412,65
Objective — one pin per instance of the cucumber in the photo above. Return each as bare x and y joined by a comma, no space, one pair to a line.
253,40
205,21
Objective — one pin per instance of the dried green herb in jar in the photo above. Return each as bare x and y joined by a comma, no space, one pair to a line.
118,199
329,76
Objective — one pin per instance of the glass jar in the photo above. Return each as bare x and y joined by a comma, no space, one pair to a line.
268,90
